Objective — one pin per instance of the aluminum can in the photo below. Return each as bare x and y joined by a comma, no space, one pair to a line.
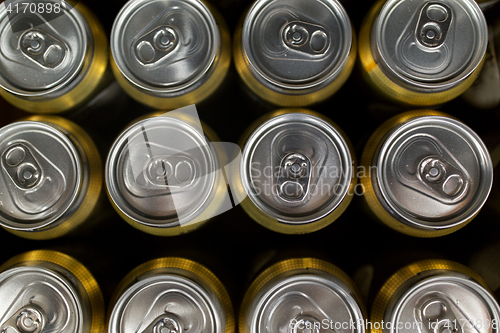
297,172
163,175
425,174
434,296
420,52
169,53
53,55
47,291
294,53
172,295
301,295
51,177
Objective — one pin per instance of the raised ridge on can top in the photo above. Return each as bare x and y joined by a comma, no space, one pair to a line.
166,48
296,46
162,171
42,55
432,173
429,46
291,298
439,300
170,295
41,176
297,167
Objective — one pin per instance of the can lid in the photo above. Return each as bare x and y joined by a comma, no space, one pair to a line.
430,44
165,47
297,168
167,300
36,299
40,175
445,301
434,172
161,172
304,300
295,44
41,54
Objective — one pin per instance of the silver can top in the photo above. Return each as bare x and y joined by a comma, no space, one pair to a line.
37,299
41,49
296,44
442,301
165,47
304,300
168,300
433,172
296,168
429,44
40,178
161,172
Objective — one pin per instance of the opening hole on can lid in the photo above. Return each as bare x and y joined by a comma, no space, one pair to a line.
434,310
319,41
292,190
437,13
453,185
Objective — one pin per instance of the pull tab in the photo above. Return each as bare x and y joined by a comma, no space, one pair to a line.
21,166
433,24
42,48
425,165
439,314
306,37
156,44
294,177
441,177
29,319
166,323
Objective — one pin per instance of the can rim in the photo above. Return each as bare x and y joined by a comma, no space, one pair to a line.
246,48
78,175
485,166
125,15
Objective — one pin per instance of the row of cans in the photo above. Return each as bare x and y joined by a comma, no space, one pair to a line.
47,291
170,53
422,173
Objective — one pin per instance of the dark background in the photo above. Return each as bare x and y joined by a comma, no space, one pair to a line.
232,245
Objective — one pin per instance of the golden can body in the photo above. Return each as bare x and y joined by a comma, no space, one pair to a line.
164,204
305,293
172,293
437,294
58,64
52,177
50,290
184,73
298,72
297,171
426,174
409,75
